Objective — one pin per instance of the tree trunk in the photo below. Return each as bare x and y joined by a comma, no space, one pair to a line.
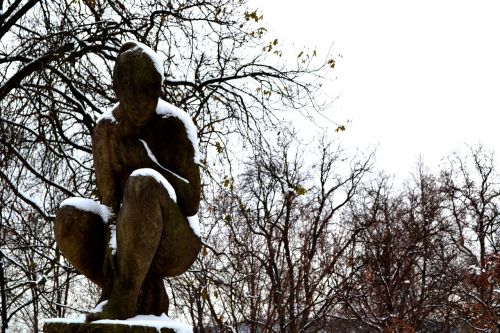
3,295
3,285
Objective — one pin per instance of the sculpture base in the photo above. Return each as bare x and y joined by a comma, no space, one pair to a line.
139,324
54,327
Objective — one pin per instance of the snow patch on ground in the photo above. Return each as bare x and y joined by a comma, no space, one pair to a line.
167,110
476,270
89,205
148,172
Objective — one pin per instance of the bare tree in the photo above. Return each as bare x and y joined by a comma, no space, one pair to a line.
472,187
398,277
277,223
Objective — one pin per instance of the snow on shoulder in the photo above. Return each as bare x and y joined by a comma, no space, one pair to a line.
194,223
108,114
155,58
89,205
167,110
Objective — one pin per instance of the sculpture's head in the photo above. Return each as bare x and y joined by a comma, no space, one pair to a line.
137,83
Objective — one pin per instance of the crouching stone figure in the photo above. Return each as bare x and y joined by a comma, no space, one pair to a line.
146,164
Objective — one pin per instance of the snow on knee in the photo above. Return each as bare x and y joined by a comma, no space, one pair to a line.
147,172
89,205
194,222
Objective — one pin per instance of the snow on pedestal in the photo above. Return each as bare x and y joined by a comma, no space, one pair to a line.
137,324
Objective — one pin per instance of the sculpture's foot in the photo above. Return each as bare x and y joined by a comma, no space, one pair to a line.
112,310
153,298
93,316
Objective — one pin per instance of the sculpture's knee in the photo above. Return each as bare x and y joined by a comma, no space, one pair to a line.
63,224
80,236
71,223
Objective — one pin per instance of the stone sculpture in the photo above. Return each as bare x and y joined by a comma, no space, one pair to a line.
146,164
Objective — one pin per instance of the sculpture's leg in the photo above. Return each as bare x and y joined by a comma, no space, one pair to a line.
139,229
80,236
179,246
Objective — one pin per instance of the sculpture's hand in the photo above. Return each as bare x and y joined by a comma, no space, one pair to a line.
127,129
133,155
106,163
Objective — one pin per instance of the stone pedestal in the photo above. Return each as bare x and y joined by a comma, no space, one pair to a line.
55,327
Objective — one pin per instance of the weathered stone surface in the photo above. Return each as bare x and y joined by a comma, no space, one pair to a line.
100,328
147,174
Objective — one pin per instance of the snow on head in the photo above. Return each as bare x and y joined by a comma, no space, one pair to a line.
167,110
89,205
147,172
155,58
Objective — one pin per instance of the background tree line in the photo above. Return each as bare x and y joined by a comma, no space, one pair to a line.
298,237
304,248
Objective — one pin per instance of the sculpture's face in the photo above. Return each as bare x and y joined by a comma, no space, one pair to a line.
137,105
137,85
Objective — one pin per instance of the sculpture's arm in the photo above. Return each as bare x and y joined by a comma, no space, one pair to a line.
103,148
137,154
189,195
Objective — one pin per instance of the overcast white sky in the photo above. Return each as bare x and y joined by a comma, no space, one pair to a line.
415,77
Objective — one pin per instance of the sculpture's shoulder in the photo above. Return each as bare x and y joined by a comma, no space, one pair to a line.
177,128
106,121
103,133
108,116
